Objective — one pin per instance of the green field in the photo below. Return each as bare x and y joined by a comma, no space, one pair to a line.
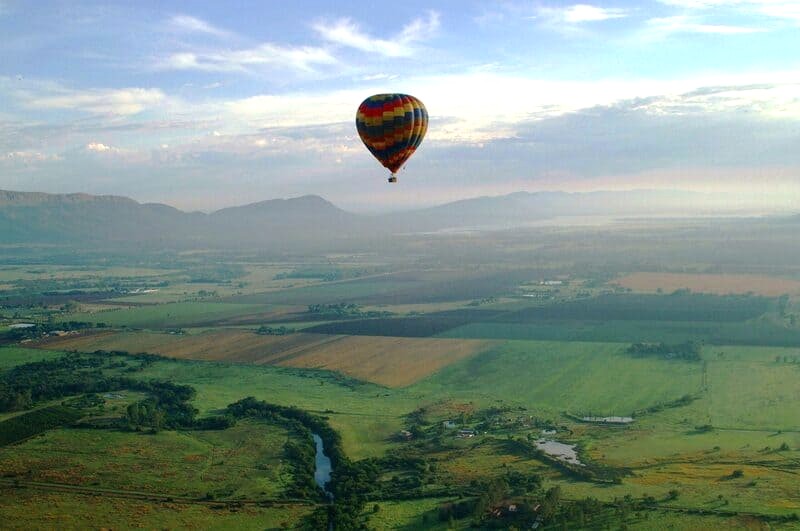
595,378
11,356
34,509
756,332
167,315
246,461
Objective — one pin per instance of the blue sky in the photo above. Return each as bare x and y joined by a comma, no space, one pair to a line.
209,104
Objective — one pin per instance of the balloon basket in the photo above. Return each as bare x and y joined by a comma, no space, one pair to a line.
393,179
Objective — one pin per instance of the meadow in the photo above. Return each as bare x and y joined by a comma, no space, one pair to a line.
557,377
246,461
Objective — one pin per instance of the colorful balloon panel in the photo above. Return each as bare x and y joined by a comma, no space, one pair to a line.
392,126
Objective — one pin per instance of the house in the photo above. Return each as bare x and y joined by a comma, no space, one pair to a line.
406,435
466,433
449,424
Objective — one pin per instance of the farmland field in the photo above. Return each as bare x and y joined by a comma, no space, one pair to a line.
436,380
708,283
168,315
390,361
586,378
11,356
756,332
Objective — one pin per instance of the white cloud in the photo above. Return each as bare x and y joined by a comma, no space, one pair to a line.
586,13
28,156
663,26
126,101
345,32
99,147
580,13
778,9
302,58
189,24
378,77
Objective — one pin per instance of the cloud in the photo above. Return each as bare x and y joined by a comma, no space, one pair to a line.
664,26
189,24
126,101
29,156
301,58
580,13
347,33
778,9
99,147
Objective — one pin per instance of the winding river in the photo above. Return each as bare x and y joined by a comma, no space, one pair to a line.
322,466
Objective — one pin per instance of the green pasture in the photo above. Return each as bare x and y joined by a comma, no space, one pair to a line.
11,356
167,315
756,332
409,514
596,378
365,414
25,509
246,461
326,292
761,395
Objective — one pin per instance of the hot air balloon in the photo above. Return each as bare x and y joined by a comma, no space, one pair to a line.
392,127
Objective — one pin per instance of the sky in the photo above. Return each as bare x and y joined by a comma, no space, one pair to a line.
208,104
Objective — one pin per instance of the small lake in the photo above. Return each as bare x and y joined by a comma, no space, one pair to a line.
322,465
561,451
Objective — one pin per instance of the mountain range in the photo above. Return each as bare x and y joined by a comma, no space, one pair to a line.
31,217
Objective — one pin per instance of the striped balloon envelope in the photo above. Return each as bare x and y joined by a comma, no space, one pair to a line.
392,126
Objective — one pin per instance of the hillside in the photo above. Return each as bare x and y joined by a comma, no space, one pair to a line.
81,218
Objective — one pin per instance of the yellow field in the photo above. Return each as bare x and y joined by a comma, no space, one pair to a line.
718,284
389,361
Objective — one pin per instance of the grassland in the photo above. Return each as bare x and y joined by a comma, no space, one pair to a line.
564,376
167,315
708,283
11,356
32,509
755,332
246,461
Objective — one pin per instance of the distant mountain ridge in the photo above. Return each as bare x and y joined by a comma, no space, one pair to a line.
34,217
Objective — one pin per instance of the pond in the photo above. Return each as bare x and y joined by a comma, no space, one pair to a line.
561,451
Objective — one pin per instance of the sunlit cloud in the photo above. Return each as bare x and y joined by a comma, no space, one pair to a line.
777,9
300,58
346,32
578,14
664,26
126,101
99,147
189,24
